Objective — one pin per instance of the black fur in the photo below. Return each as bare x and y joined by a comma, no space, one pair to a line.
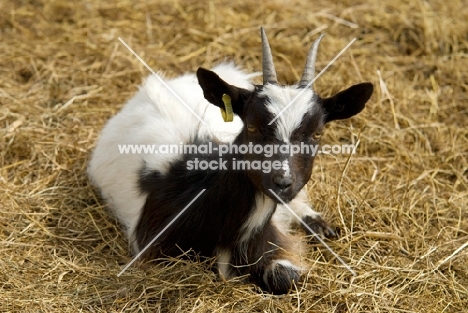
213,221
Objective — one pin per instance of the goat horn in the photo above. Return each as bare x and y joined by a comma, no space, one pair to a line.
309,70
269,73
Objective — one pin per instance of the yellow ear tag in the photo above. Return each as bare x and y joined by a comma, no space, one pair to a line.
227,113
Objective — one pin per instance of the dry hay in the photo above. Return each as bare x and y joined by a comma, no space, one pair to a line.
400,202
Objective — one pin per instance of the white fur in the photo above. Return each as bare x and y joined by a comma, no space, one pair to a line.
279,98
223,261
284,219
155,116
263,206
287,263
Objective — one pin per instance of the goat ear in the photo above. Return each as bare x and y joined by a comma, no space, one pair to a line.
214,88
348,102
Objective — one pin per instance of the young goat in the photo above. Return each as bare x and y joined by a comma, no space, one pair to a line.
238,218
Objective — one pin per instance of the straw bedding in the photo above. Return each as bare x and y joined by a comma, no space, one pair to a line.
399,203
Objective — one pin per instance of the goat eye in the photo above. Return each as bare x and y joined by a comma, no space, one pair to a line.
251,129
316,135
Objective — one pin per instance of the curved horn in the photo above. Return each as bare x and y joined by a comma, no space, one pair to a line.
309,70
269,73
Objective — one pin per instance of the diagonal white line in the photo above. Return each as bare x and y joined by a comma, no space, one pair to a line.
162,81
160,233
315,234
313,80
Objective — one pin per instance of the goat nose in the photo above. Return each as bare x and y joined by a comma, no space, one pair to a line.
282,182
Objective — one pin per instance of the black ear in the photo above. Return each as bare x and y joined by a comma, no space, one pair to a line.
348,102
214,88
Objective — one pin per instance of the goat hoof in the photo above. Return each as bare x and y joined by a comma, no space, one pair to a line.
319,227
280,278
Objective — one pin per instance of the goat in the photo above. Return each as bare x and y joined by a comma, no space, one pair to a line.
238,219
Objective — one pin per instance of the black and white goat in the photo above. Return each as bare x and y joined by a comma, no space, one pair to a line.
237,219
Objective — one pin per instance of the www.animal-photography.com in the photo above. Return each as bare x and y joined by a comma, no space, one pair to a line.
246,156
